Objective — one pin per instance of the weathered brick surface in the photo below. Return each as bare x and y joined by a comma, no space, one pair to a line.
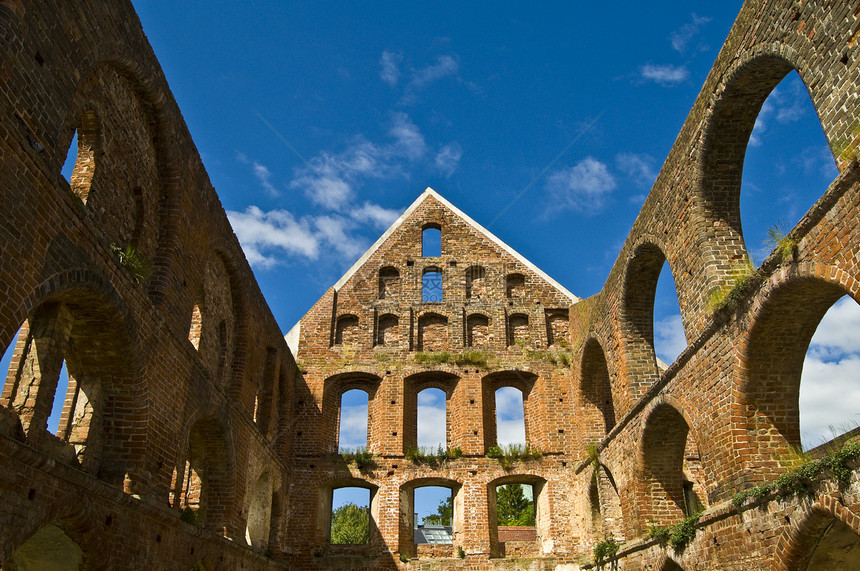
184,394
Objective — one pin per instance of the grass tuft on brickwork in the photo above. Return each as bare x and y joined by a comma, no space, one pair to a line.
678,536
740,280
604,551
432,457
431,357
358,456
781,242
511,453
473,358
804,479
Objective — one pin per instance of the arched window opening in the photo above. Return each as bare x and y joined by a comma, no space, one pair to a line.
518,330
266,389
204,490
387,333
669,339
187,493
594,505
434,515
596,392
48,548
478,330
557,326
829,392
432,332
353,429
431,285
346,330
259,513
350,516
788,165
510,418
476,286
431,241
515,286
672,468
222,347
196,328
81,157
432,423
389,283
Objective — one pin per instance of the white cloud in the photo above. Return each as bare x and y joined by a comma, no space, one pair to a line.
448,158
330,180
687,32
353,426
667,74
375,215
333,230
431,419
669,340
786,104
639,167
583,187
262,234
510,420
829,391
445,65
389,65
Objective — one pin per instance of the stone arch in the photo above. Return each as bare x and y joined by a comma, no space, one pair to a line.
260,512
737,102
637,314
432,332
596,391
407,511
414,384
333,389
117,172
347,330
672,477
825,536
388,331
149,84
770,358
476,282
520,380
389,283
543,516
478,330
205,475
78,317
220,343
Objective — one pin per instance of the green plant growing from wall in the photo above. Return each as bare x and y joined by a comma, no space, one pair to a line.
432,457
511,453
678,536
359,456
605,550
740,279
433,357
781,242
132,261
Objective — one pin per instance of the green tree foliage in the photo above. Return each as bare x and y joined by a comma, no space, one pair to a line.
349,524
444,514
512,506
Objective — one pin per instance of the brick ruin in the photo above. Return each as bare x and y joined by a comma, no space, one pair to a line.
191,439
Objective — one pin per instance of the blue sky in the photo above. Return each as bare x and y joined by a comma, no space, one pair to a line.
319,122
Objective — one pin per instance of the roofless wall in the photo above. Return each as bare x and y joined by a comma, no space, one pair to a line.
189,441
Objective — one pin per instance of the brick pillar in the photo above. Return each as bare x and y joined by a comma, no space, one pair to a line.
39,368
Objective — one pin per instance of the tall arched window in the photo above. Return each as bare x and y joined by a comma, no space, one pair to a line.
432,423
431,241
352,430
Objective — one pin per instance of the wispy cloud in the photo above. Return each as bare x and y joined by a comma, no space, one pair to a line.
389,67
785,104
353,426
669,340
444,66
667,74
431,419
510,419
448,158
638,167
685,34
265,235
828,388
330,180
375,215
583,187
261,173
